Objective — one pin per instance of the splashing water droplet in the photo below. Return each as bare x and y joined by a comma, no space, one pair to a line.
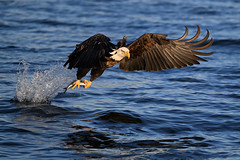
42,86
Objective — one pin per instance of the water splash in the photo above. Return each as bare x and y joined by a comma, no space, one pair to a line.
42,86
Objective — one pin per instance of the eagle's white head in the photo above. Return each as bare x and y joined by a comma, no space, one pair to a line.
120,53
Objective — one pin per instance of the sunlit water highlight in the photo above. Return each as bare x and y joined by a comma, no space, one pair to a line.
41,86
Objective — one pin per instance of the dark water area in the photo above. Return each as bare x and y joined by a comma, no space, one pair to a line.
191,113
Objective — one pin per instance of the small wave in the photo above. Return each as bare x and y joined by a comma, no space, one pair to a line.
227,42
186,79
48,22
42,86
120,117
8,47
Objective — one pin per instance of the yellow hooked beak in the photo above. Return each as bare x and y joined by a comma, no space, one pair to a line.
127,54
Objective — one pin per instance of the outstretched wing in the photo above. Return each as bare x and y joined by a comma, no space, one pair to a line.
154,52
90,53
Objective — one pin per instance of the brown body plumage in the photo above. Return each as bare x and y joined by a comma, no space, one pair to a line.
150,52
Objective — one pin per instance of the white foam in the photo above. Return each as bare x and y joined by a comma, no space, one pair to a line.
42,86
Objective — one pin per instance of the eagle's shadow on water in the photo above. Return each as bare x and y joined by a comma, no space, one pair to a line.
97,145
94,143
87,138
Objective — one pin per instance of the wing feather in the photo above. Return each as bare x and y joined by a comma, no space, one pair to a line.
203,47
169,55
154,66
165,55
201,41
181,58
161,55
154,52
158,60
190,59
184,35
148,62
196,35
140,63
174,60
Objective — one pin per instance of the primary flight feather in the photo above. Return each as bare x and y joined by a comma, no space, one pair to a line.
150,52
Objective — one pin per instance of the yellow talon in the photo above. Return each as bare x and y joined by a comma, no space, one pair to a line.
87,83
76,83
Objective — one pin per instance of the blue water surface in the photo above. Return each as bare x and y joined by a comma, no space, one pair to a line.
188,113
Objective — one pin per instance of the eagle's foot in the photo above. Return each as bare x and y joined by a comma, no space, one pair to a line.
87,83
76,83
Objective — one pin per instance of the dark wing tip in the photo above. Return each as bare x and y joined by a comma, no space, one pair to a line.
196,35
122,43
184,35
195,45
203,47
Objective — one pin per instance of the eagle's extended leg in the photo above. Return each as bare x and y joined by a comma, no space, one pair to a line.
76,84
87,83
95,73
80,73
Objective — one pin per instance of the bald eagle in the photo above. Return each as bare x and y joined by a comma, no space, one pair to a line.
150,52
